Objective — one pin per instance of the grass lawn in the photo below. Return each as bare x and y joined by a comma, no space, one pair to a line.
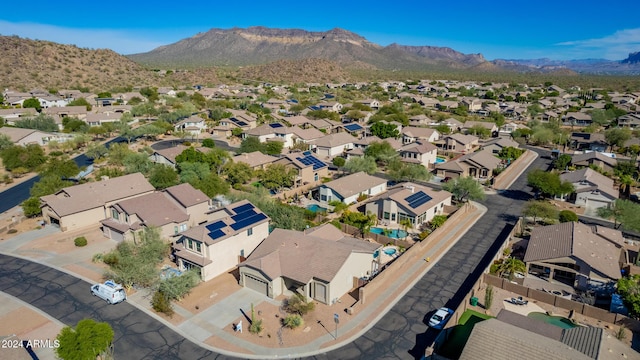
452,348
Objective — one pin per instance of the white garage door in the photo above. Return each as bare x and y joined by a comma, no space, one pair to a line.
256,284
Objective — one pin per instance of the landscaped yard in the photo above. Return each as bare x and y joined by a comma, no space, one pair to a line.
452,348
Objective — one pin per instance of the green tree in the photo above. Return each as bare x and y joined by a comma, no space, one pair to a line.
40,122
96,151
437,221
624,213
465,188
251,144
88,341
510,267
32,103
48,185
399,170
510,153
176,287
31,207
617,136
357,164
273,148
238,173
384,130
73,124
211,185
117,153
5,142
443,129
137,162
562,161
548,183
339,161
363,222
567,216
381,151
629,290
540,210
277,176
61,167
29,157
479,131
163,176
208,143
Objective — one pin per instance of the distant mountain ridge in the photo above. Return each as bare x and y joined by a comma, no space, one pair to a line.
260,45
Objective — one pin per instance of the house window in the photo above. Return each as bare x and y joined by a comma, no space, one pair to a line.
249,231
175,230
393,216
126,218
198,246
323,197
114,214
242,252
385,215
183,227
316,177
190,244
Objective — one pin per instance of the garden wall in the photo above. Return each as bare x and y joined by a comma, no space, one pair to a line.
502,180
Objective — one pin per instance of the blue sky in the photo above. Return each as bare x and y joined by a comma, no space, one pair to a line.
515,29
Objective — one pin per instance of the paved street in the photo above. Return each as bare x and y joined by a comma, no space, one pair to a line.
401,333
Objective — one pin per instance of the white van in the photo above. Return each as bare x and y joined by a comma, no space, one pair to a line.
110,291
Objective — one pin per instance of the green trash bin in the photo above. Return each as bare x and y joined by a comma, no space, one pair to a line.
474,301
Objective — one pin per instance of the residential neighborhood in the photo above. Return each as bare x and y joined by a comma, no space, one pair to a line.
294,209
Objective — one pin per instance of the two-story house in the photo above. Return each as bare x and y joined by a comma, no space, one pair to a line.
219,245
412,134
421,152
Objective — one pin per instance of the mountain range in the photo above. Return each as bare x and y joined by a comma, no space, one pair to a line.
260,45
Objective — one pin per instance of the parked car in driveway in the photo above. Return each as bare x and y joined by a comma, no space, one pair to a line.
440,318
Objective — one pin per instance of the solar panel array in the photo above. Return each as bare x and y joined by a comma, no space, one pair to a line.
353,127
417,199
275,125
312,160
215,231
216,234
238,122
245,216
248,221
242,208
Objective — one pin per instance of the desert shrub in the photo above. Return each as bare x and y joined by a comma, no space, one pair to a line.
111,259
256,327
292,321
161,303
12,231
567,216
297,305
80,241
178,286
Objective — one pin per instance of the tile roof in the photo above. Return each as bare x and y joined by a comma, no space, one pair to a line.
419,147
594,181
497,340
586,339
578,158
573,239
401,192
78,198
171,153
186,194
418,132
354,184
254,159
17,134
154,209
334,140
301,257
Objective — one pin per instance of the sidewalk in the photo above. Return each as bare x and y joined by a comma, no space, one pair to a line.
212,321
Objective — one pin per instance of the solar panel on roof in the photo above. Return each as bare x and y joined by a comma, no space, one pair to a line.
312,160
242,123
216,225
248,221
275,125
353,127
418,199
242,208
243,215
216,234
306,153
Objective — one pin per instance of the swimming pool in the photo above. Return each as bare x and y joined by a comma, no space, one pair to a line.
440,160
395,233
390,251
559,321
316,208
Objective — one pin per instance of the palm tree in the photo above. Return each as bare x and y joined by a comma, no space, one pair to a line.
510,266
406,224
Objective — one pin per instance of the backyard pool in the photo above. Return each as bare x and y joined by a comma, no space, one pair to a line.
316,208
390,251
440,160
553,320
394,233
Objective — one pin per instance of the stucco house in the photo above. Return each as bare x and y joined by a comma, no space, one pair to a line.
167,156
410,201
348,188
592,189
422,152
193,126
478,165
256,160
594,158
576,254
171,211
412,134
20,136
219,245
309,168
86,204
333,144
319,264
496,145
458,143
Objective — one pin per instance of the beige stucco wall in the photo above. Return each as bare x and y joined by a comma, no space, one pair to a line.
225,254
198,214
274,287
82,219
357,265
